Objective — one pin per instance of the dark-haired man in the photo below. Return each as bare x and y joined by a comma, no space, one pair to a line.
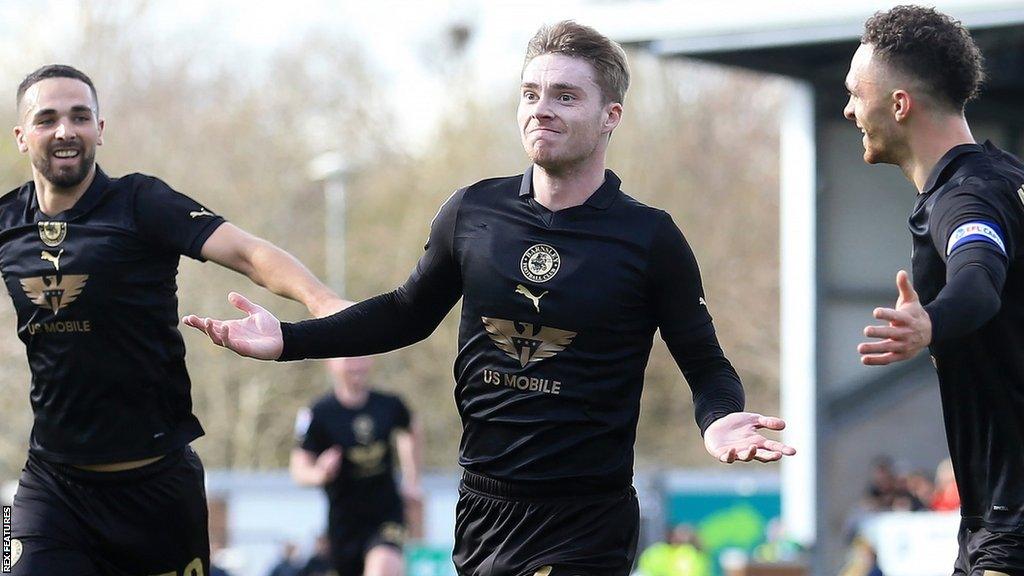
111,486
564,280
908,82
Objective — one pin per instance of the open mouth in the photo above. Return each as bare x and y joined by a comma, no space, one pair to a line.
66,153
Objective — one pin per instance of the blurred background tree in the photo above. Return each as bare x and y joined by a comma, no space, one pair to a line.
237,133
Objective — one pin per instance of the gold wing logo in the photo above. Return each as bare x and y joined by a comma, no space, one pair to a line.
54,292
368,459
527,342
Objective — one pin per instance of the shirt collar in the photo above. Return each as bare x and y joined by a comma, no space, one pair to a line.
89,199
601,199
941,172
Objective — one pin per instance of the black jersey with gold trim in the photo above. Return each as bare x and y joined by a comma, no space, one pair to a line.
973,204
364,435
94,288
558,318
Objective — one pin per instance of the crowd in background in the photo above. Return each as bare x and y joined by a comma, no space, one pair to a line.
889,490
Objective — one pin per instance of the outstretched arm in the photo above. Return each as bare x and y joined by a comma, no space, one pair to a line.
380,324
971,297
730,434
271,267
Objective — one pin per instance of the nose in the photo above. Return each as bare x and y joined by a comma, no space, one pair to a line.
542,109
848,110
64,132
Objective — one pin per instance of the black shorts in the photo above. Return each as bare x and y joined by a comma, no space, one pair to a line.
521,530
982,550
150,520
353,536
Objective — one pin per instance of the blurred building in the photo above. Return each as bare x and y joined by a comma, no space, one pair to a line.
843,230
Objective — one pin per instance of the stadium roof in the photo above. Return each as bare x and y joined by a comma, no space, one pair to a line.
810,41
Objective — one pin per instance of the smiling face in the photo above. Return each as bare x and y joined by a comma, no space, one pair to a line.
871,107
564,119
59,129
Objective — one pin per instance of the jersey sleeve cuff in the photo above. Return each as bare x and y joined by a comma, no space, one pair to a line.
195,251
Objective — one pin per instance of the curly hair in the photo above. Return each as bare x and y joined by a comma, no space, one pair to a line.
931,47
605,55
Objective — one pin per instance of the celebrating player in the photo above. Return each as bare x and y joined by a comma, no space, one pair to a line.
111,486
909,81
564,280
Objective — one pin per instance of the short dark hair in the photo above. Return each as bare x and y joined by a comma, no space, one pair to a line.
56,71
931,47
578,41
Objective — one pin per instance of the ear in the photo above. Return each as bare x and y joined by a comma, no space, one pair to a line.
902,103
100,124
613,115
19,138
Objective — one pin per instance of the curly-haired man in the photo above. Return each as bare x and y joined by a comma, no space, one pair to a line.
908,82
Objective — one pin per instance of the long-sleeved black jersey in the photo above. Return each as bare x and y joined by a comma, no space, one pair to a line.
558,318
96,295
968,229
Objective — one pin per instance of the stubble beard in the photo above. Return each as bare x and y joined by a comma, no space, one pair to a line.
68,176
562,164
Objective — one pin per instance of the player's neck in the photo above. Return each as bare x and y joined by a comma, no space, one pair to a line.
564,188
929,144
350,398
55,199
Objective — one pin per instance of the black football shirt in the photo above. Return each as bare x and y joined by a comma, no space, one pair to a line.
94,288
366,479
974,201
558,318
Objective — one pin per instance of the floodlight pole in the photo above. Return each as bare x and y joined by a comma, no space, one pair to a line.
331,170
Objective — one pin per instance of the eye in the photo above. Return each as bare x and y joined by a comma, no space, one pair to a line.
566,98
82,118
44,122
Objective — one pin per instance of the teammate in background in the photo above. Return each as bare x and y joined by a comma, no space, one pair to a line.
564,280
909,81
111,486
345,445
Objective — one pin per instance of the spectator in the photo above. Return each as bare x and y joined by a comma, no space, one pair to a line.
682,555
778,547
946,498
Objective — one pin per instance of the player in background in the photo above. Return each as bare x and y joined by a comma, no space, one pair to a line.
347,442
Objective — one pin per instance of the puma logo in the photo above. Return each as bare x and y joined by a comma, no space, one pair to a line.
201,212
55,260
520,289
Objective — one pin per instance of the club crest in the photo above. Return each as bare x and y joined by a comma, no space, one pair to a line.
540,263
53,233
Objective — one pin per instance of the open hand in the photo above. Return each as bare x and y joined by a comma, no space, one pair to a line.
258,335
909,329
736,437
